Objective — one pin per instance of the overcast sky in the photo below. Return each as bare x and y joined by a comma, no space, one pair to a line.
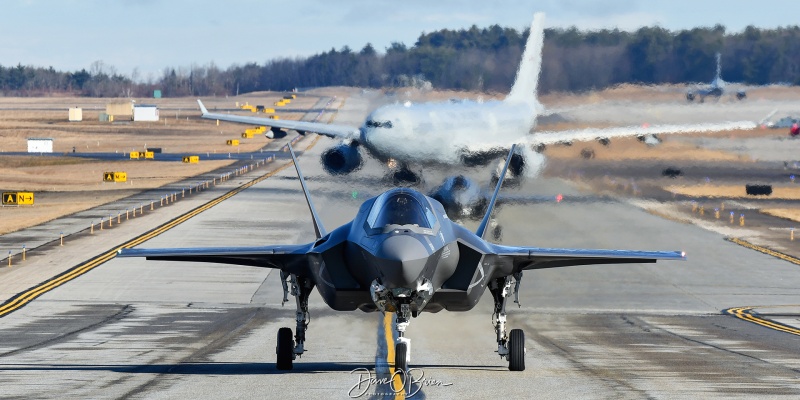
150,35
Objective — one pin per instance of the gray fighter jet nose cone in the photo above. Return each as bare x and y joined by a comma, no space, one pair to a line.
406,258
402,248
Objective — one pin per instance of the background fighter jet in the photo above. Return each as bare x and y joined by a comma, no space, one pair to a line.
401,254
464,133
715,89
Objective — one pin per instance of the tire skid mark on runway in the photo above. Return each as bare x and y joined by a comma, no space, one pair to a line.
613,381
122,313
21,299
747,314
777,254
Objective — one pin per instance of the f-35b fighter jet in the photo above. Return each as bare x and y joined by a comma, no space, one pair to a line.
401,254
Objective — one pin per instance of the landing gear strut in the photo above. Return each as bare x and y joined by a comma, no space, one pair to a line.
402,350
511,347
287,349
405,303
402,175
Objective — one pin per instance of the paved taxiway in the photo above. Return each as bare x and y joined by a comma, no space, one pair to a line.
139,329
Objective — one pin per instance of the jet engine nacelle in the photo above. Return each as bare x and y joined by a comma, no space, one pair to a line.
341,159
275,133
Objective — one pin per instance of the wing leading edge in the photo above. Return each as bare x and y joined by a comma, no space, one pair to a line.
284,257
330,130
525,258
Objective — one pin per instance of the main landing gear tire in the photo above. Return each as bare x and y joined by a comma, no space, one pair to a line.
285,349
401,357
516,350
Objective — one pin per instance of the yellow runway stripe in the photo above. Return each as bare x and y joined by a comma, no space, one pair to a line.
397,382
23,298
747,314
782,256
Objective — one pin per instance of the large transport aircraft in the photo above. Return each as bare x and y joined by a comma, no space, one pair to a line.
465,133
402,254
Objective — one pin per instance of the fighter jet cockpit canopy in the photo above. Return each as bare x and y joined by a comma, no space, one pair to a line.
401,208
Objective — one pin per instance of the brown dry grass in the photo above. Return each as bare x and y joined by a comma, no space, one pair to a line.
786,213
180,129
64,185
633,149
89,175
734,191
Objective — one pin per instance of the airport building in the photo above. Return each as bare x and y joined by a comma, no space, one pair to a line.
145,112
40,145
120,110
75,114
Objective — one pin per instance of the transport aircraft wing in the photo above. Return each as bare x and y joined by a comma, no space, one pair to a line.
588,134
330,130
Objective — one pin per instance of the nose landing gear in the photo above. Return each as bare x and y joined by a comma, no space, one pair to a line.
402,349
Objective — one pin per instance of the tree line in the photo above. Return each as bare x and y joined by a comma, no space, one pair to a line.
483,59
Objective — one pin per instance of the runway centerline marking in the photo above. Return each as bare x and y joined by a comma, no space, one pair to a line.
776,254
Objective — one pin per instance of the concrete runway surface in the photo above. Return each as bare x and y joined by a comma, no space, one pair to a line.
143,329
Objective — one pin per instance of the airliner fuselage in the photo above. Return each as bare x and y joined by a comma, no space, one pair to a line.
440,133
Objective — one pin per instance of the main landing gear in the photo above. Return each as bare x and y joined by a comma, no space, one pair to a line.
401,175
287,349
511,347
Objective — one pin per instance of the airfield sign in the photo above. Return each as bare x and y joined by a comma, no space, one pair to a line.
115,177
17,198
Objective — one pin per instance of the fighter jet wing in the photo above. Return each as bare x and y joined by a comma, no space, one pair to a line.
524,258
330,130
285,257
588,134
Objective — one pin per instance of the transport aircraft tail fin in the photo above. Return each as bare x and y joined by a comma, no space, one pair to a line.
203,108
318,228
485,222
525,86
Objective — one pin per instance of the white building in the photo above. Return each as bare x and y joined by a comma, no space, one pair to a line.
75,114
40,145
145,112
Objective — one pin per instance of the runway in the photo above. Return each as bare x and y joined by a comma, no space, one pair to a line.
141,329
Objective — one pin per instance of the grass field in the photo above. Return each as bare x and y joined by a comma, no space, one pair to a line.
64,185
